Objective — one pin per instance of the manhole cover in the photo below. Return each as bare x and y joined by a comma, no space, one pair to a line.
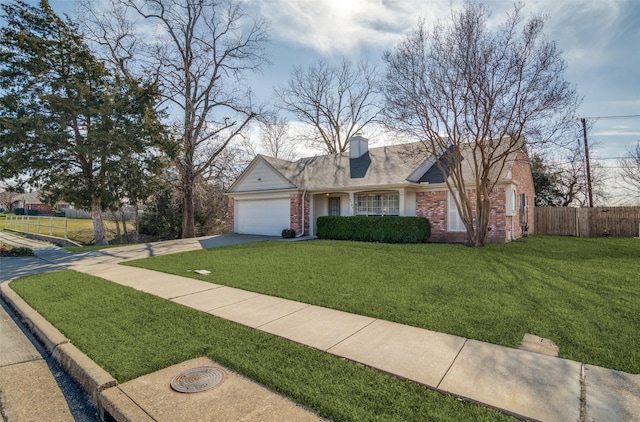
197,379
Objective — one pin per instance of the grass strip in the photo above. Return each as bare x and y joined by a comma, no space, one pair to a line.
130,333
584,294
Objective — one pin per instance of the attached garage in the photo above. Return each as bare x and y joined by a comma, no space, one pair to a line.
262,216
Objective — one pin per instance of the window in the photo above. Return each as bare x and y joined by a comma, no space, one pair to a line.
334,205
377,204
454,221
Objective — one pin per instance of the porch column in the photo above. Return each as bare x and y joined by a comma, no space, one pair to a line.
401,207
352,204
312,216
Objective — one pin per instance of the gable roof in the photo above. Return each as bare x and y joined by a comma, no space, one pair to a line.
389,165
28,197
393,165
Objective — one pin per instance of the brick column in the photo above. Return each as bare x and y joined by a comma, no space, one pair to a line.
231,215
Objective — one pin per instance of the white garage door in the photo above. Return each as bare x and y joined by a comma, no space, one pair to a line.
265,216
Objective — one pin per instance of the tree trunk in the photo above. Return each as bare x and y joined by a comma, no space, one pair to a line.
136,232
115,218
98,226
124,226
188,212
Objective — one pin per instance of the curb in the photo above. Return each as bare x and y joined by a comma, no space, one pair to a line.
91,377
42,329
119,406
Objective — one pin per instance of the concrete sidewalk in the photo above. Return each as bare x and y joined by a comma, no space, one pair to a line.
28,389
520,383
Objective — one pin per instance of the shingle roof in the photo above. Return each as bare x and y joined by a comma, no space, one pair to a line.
29,197
390,165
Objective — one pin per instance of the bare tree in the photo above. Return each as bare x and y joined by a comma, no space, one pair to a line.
275,138
336,100
560,176
465,89
199,54
6,199
630,169
109,27
272,137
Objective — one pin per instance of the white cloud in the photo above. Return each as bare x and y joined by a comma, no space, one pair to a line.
343,26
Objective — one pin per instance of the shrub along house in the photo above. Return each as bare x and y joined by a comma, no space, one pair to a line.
273,194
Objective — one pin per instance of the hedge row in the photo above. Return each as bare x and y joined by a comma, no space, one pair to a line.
22,211
387,229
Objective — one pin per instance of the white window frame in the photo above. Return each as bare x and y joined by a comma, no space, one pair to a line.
454,222
377,203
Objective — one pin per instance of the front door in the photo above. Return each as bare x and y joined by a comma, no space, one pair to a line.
334,205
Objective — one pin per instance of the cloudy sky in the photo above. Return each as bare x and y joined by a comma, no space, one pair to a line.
600,40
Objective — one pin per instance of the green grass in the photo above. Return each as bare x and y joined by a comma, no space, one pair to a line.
583,294
130,333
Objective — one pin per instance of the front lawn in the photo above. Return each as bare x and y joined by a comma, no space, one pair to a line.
583,294
130,333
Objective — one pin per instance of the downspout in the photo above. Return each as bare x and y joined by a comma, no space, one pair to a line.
304,192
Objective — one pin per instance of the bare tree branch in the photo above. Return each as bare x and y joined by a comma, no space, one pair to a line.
338,101
200,52
465,90
630,169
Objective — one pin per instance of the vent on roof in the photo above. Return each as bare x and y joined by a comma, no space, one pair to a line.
358,145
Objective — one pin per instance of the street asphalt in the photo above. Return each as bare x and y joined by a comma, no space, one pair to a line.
530,385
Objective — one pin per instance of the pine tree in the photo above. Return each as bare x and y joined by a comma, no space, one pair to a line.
67,122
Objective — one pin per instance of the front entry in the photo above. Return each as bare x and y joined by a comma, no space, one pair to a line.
334,205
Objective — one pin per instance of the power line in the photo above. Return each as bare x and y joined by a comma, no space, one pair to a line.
628,116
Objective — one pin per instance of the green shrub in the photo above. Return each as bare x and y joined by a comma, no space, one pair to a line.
288,234
387,229
162,218
21,251
58,214
32,212
19,211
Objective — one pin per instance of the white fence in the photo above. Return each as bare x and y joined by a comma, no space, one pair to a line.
48,226
76,213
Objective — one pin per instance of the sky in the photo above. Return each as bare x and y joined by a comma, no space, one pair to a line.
600,40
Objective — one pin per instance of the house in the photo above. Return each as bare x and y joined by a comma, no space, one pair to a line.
30,201
273,194
33,201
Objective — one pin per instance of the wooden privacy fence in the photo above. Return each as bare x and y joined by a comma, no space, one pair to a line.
588,222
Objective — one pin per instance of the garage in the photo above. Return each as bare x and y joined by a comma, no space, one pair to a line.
263,216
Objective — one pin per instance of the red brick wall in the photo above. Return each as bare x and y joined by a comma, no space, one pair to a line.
231,215
521,172
497,218
296,213
43,209
433,205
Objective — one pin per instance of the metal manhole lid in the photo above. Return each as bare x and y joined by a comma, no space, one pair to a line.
197,379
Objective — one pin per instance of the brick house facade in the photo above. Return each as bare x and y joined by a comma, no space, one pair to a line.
297,210
504,224
274,194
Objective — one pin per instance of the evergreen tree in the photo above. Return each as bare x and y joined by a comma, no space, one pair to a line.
67,122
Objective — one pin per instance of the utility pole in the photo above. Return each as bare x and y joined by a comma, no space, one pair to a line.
586,156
